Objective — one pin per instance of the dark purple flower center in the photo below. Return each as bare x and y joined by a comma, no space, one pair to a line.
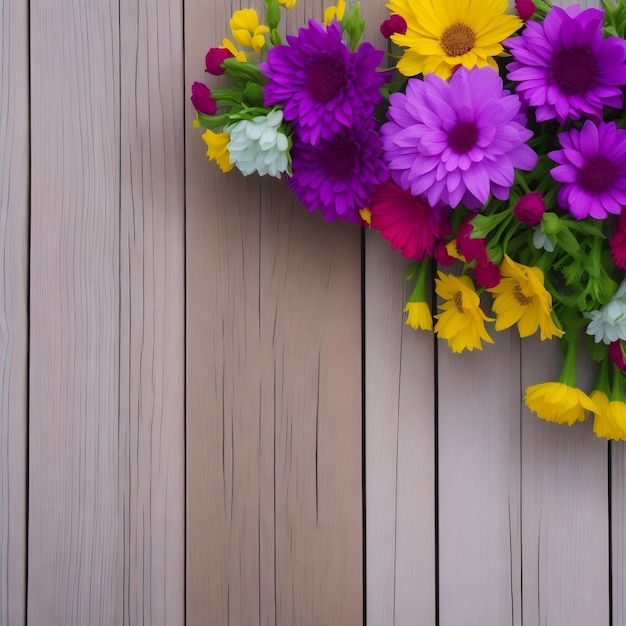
463,137
337,159
597,175
574,70
325,79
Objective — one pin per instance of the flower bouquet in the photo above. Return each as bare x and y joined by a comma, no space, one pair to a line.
487,146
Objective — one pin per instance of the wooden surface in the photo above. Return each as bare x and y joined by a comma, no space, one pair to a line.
211,409
14,208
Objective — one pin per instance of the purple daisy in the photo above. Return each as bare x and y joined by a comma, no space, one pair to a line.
564,68
339,174
458,140
322,86
592,170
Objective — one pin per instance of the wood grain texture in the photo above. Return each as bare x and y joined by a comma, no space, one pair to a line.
76,545
152,273
400,449
274,525
479,484
618,527
14,214
565,525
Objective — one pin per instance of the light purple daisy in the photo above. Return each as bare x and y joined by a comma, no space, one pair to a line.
592,170
564,68
321,85
338,175
458,140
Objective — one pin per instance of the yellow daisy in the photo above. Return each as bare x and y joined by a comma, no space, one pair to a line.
521,298
240,55
461,322
559,402
442,34
217,151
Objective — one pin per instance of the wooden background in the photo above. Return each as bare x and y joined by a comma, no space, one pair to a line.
211,412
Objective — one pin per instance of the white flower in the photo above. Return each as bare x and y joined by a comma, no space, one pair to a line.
609,323
541,241
259,145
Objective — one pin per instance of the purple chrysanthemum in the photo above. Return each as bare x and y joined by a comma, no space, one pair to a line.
458,140
338,175
322,86
564,68
592,170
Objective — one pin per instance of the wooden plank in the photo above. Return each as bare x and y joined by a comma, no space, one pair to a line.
76,544
400,449
14,210
565,508
479,484
273,391
152,278
618,527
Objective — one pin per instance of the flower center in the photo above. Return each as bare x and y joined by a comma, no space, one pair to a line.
597,175
458,302
457,40
338,157
520,297
325,79
463,137
574,70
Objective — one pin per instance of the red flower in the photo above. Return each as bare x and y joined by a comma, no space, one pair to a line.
395,24
441,255
616,354
617,243
472,249
214,59
525,9
202,99
408,222
530,208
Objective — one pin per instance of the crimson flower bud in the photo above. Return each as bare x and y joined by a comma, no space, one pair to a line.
214,59
202,99
525,9
530,208
395,24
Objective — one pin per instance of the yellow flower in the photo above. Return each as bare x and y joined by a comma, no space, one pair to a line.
521,298
418,315
240,55
335,12
442,34
462,322
288,4
246,30
610,420
559,402
366,216
218,149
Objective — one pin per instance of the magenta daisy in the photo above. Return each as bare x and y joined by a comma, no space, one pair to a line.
321,85
338,175
407,221
592,170
458,140
565,68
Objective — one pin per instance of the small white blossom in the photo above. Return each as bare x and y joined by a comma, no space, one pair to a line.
259,145
609,323
541,241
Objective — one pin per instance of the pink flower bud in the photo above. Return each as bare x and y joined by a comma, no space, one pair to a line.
473,249
487,275
440,253
525,9
395,24
530,208
202,100
214,59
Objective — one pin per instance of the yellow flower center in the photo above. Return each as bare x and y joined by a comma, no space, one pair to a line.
458,302
457,40
518,294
